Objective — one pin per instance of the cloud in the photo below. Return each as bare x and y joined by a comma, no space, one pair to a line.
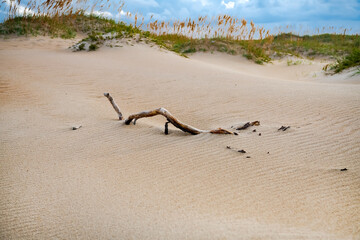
242,1
228,5
104,14
21,10
122,13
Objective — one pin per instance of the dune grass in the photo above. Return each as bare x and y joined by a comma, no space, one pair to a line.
324,44
254,49
223,34
351,60
65,26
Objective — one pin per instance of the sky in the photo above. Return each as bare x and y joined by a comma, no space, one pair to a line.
299,14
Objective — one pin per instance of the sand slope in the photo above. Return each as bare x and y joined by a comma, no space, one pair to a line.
110,181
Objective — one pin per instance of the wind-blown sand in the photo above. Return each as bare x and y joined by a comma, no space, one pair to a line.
111,181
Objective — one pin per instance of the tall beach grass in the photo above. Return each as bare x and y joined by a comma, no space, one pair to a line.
223,33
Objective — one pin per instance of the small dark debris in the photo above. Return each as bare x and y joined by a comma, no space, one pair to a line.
235,133
344,169
268,152
248,124
228,147
166,128
76,127
255,123
248,157
259,134
283,128
254,130
245,126
242,151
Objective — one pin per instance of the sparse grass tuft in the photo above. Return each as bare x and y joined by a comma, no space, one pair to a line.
93,47
351,60
292,63
82,47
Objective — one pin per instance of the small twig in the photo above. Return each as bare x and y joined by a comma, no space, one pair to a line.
166,128
283,128
115,106
248,124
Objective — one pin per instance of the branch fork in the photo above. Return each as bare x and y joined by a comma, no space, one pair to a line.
169,117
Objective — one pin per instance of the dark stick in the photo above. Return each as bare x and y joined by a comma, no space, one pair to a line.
166,128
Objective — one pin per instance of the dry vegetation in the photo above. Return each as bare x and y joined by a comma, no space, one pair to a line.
65,18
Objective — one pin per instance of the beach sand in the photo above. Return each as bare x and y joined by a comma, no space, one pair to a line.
107,180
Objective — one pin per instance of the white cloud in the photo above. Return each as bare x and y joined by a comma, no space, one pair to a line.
228,5
122,13
20,9
242,1
100,14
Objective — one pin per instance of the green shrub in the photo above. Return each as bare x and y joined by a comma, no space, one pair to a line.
82,47
93,47
190,50
351,60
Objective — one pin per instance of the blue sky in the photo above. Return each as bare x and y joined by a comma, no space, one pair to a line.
307,14
269,13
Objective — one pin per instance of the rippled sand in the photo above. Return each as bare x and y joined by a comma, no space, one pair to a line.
111,181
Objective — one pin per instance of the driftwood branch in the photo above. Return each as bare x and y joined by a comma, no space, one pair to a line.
169,117
115,106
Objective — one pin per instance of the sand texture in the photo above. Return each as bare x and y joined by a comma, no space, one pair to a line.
107,180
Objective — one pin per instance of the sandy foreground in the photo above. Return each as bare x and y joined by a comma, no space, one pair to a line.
111,181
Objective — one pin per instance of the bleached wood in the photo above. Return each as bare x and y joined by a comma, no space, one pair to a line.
170,118
115,106
174,121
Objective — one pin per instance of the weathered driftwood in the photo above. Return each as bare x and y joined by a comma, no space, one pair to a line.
170,119
115,106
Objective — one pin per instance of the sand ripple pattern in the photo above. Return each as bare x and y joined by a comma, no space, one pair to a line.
111,181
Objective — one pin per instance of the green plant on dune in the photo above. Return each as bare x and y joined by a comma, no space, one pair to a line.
292,63
357,72
351,60
334,45
93,47
82,47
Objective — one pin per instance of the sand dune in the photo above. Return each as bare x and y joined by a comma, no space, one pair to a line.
111,181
